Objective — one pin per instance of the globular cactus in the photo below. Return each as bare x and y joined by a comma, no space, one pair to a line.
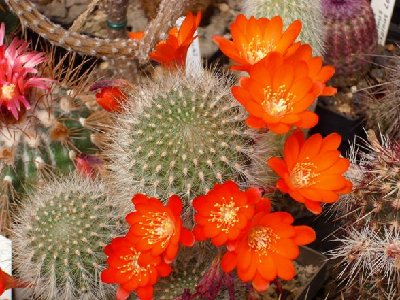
308,11
369,253
59,237
181,135
381,103
351,38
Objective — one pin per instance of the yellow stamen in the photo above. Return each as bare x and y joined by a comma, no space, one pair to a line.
159,227
277,103
261,238
303,174
257,49
225,215
7,91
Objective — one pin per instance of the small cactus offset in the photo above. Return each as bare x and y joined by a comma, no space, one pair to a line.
180,135
351,37
370,255
308,11
59,238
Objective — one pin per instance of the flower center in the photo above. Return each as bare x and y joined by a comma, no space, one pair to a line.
7,91
257,49
261,238
225,215
303,174
132,266
279,102
159,227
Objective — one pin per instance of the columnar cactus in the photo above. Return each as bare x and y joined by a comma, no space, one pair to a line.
370,251
308,11
59,238
180,135
351,37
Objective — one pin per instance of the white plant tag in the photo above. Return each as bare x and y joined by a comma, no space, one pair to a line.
383,11
6,262
194,63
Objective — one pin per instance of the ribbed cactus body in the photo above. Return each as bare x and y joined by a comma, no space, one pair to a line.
181,135
59,239
308,11
370,249
351,37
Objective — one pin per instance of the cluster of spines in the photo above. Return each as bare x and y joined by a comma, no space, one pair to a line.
308,11
369,254
59,238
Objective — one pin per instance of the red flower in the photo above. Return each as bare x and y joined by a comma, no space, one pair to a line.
132,269
267,248
311,170
9,282
172,52
317,72
111,99
253,39
278,93
224,212
158,228
17,74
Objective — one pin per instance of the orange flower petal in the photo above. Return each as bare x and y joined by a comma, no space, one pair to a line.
145,293
285,268
331,142
279,128
175,204
228,262
267,268
256,123
187,238
304,235
308,120
292,148
314,207
286,248
289,36
259,283
277,165
310,148
326,160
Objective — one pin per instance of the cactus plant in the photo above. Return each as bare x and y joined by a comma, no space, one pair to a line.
59,238
370,251
382,101
351,36
180,135
309,12
47,137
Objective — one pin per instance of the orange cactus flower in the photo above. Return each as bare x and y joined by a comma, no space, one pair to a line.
9,282
136,35
267,249
253,39
224,212
158,228
311,171
111,99
132,269
277,94
172,52
317,72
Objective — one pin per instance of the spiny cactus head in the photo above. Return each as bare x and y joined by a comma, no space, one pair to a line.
351,38
59,238
308,11
180,135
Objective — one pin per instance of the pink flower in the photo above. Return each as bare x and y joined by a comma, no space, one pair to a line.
17,71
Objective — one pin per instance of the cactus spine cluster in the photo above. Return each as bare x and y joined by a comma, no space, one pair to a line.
59,238
180,135
370,251
351,37
308,11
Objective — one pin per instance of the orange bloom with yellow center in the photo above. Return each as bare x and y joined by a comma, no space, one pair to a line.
311,171
224,211
172,52
277,94
267,248
132,269
253,39
158,228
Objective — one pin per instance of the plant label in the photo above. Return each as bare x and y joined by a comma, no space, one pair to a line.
383,11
